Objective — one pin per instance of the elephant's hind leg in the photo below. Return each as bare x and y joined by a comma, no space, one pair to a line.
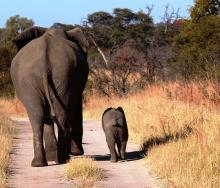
50,142
63,137
76,119
118,143
63,146
76,147
111,145
39,152
123,148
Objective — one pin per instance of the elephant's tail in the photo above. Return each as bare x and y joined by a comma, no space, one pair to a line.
46,84
46,89
117,122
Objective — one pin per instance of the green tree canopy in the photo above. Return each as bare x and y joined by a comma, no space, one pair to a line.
15,25
199,48
121,25
204,8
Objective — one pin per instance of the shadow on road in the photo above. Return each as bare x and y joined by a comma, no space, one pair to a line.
156,141
130,156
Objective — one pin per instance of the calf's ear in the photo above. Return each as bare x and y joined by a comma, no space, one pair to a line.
28,35
120,109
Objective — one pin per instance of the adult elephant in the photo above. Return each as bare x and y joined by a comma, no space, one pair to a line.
49,74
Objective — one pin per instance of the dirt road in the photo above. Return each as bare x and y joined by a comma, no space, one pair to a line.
131,173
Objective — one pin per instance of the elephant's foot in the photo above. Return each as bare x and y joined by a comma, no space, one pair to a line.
113,159
122,157
67,157
75,150
62,159
38,163
51,155
51,152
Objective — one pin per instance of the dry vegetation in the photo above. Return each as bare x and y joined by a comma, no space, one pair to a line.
6,133
84,169
7,107
12,107
178,127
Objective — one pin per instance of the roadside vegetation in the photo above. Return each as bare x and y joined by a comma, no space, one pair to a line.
11,107
179,135
165,75
85,170
8,107
6,134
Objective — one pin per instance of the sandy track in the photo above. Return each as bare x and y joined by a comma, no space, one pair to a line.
131,173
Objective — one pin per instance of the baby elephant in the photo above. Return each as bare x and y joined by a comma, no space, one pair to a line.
116,132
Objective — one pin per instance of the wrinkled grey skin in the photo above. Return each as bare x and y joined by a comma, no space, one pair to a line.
116,132
49,74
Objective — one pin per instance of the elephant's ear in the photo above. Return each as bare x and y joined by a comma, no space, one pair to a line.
28,35
78,35
110,108
125,121
121,109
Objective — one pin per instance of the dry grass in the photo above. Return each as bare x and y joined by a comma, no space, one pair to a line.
6,133
12,107
205,93
7,108
179,135
84,169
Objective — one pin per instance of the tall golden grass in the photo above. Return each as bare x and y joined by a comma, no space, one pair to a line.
178,127
6,134
8,107
11,107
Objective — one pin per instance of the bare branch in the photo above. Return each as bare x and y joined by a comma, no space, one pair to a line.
149,9
169,17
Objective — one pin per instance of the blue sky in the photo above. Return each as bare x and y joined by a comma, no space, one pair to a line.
46,12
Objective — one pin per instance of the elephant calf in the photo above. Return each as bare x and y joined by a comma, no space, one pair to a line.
116,132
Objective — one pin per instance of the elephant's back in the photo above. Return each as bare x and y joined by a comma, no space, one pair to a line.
49,51
31,55
29,62
112,118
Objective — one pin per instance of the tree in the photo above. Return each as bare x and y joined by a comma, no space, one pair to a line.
169,17
199,49
198,43
128,68
15,25
99,25
6,55
126,72
204,8
121,25
100,18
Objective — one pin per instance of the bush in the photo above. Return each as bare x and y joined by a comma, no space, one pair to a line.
83,169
